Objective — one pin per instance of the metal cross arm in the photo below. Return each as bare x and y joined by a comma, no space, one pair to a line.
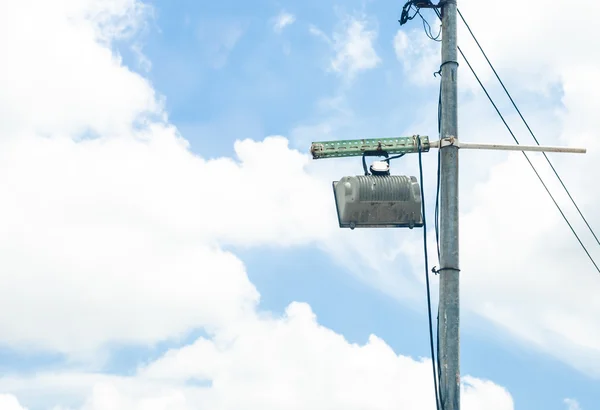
359,147
406,145
451,141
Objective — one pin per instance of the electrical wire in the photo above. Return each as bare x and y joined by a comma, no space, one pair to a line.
439,177
527,157
405,16
437,231
435,357
527,125
394,157
427,28
437,244
529,161
431,344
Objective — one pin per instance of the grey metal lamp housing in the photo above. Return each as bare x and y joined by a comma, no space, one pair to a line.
378,201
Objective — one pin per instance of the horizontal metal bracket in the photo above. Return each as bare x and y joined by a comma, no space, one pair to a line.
351,148
454,142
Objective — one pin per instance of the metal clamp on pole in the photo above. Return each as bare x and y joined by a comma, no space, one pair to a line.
446,142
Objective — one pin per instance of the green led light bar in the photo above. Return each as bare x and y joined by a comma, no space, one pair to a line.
352,148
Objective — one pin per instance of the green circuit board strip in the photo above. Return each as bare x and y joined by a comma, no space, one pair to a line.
352,148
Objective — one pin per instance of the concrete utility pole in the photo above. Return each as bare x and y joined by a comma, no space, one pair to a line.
449,312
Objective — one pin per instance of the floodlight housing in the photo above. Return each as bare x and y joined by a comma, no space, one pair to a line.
378,201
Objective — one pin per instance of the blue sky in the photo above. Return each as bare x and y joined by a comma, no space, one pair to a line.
250,87
225,72
239,82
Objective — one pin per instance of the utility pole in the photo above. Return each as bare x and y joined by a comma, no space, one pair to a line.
449,310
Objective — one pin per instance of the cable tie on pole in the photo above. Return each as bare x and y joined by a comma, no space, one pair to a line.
439,72
436,271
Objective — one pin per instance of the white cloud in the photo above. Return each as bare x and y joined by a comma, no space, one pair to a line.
10,402
533,52
283,20
352,44
401,43
539,55
125,223
546,265
117,239
572,404
47,90
99,235
117,225
318,33
269,363
140,214
142,198
418,54
476,394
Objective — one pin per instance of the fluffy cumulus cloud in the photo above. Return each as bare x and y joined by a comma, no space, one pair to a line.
476,394
270,363
89,94
572,404
418,54
10,402
283,20
522,269
353,46
113,233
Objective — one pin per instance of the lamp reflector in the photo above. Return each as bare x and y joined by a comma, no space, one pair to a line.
378,201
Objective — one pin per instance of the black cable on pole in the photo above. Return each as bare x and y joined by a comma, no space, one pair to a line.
437,207
437,244
439,177
431,344
427,29
528,160
527,125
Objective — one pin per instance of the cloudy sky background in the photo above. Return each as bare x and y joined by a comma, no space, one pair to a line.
167,242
